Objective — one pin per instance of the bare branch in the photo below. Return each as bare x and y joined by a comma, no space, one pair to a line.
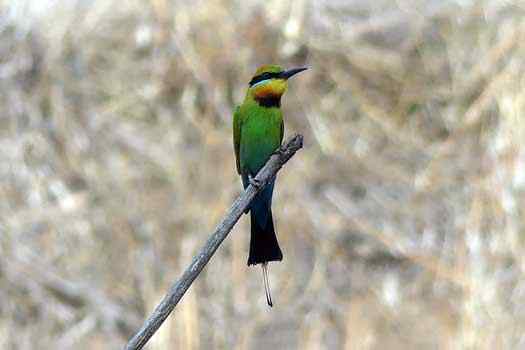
177,290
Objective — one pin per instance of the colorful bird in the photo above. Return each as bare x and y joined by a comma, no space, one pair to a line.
258,130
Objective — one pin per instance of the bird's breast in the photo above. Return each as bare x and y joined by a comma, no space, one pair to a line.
260,137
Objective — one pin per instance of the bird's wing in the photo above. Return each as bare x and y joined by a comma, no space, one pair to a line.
237,136
282,132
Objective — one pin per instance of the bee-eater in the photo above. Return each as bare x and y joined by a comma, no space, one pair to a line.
257,133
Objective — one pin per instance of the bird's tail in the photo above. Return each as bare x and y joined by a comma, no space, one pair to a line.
264,248
263,241
267,284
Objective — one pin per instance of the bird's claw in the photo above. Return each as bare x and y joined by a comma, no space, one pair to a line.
278,152
254,182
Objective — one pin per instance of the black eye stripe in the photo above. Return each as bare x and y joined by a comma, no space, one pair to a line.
264,76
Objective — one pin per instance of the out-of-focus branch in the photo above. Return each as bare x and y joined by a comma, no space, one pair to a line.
26,270
177,290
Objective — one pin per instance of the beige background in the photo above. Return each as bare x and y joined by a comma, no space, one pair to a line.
401,221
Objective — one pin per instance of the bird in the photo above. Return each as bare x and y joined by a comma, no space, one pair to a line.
258,130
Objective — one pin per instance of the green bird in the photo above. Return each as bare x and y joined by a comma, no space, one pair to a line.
258,130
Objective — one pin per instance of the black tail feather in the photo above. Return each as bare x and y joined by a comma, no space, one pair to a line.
263,242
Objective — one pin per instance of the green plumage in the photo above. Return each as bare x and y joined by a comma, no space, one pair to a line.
259,132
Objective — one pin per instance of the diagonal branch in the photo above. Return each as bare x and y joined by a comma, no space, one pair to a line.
177,290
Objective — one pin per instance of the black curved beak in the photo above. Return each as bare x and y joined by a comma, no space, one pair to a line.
291,72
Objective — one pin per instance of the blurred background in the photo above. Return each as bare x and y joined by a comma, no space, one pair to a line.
401,221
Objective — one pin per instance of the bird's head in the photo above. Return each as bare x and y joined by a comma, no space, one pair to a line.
270,82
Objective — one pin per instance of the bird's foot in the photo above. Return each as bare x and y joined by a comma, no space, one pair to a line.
254,182
278,152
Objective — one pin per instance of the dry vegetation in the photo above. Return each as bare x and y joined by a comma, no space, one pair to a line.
401,220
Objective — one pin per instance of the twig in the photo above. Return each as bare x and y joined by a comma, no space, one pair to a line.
177,290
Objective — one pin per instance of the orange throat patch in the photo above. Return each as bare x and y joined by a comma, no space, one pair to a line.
267,97
266,91
269,94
